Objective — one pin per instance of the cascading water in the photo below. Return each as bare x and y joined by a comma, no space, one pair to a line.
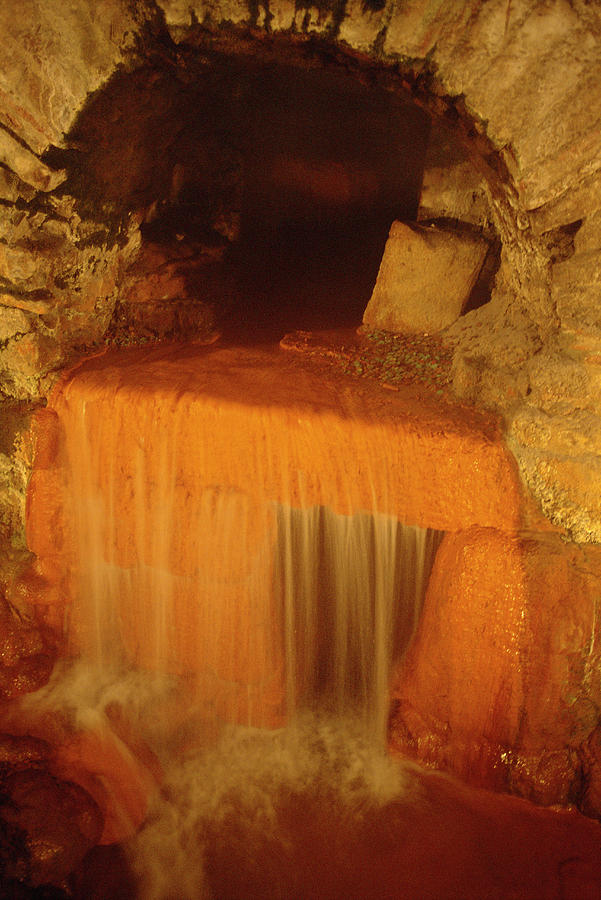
194,548
189,559
226,531
352,588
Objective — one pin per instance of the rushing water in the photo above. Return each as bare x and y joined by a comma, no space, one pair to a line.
239,586
190,558
352,589
195,564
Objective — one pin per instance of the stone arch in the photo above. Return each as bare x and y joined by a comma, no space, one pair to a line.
521,80
519,83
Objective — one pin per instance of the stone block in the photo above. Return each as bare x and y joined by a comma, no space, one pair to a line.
361,25
568,490
425,278
580,269
558,383
27,166
578,307
23,361
454,191
576,434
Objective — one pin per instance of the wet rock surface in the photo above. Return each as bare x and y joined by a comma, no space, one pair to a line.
58,822
27,653
500,684
46,825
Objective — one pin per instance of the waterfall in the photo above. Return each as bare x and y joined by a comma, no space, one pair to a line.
195,547
234,523
352,589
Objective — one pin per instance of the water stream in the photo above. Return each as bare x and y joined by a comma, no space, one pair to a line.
267,609
239,587
188,558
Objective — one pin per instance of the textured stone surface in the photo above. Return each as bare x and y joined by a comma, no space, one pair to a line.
454,189
171,291
55,55
59,286
501,682
425,278
567,488
27,648
58,821
518,71
16,458
516,66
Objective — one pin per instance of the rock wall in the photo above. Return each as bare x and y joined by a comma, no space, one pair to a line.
517,83
501,683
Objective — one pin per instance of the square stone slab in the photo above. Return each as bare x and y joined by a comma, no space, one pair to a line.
426,277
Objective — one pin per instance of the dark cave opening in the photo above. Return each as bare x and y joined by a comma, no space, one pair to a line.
284,176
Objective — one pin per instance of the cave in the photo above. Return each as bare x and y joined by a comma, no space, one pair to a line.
234,365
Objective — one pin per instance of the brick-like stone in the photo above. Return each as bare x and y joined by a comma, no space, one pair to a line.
12,322
27,166
568,489
559,383
425,278
578,433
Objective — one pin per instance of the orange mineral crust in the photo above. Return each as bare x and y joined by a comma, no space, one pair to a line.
290,430
160,513
500,683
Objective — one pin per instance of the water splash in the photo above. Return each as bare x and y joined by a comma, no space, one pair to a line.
226,822
210,569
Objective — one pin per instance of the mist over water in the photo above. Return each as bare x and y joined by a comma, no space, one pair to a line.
243,633
224,809
225,822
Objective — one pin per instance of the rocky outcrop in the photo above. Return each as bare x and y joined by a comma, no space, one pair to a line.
171,291
47,825
501,684
50,825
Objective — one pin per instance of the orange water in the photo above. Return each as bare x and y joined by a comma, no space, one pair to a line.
231,517
198,540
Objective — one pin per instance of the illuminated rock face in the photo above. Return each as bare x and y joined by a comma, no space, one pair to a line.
501,684
533,351
161,504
